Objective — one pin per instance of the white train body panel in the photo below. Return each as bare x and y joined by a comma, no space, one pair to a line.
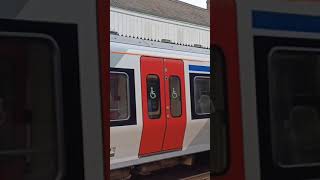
264,28
77,20
255,156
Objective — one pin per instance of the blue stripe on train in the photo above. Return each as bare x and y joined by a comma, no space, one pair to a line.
285,21
199,68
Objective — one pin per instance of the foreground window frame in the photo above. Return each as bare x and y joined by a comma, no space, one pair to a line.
55,90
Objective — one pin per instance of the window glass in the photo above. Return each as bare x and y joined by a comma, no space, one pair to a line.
219,140
29,125
294,86
119,99
7,101
175,96
154,100
202,95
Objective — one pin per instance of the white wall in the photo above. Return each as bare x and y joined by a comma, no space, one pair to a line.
138,25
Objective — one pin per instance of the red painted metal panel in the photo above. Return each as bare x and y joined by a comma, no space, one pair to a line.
103,18
225,36
153,129
176,126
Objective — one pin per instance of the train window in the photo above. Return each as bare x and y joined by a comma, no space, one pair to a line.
202,95
294,90
175,96
119,96
219,141
154,99
30,120
122,97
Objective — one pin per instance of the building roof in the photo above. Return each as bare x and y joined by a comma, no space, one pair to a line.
170,9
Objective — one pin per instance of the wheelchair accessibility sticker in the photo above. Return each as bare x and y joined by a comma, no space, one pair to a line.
152,94
174,94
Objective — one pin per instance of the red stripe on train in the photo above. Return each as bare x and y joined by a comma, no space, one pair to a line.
224,35
103,18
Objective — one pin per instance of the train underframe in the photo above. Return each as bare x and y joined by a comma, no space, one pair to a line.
192,160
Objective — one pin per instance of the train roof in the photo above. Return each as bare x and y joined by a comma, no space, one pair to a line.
165,45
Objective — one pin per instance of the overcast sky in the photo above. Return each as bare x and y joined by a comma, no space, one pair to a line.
200,3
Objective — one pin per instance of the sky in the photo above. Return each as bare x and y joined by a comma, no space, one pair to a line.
200,3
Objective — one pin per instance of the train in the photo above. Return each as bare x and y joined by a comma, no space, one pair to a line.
266,61
55,92
159,101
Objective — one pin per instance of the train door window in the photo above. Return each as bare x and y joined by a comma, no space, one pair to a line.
154,99
219,141
294,90
30,115
119,96
175,96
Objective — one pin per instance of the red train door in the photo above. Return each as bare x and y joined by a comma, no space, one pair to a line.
153,105
175,104
164,118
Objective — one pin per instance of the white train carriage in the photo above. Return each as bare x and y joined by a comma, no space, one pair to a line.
270,53
159,101
51,53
